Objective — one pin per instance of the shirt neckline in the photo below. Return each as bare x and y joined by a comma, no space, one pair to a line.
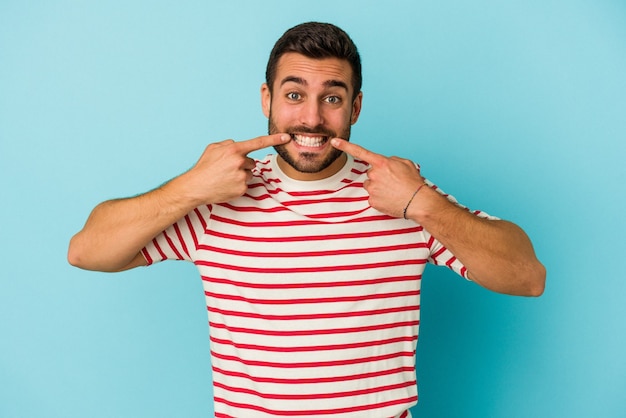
326,183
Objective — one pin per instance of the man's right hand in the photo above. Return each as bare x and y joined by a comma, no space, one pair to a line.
117,230
223,170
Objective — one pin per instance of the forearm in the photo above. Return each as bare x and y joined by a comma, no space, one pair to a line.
497,254
117,230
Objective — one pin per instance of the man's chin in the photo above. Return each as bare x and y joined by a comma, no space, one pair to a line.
307,162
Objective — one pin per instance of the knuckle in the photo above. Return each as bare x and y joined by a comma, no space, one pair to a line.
224,142
242,187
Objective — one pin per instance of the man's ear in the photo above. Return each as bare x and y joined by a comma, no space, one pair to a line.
356,108
266,99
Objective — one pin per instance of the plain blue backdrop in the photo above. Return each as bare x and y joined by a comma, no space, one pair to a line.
517,108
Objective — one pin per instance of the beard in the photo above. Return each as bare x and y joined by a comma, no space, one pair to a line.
308,162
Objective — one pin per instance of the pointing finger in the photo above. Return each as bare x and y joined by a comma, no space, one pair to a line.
357,151
262,142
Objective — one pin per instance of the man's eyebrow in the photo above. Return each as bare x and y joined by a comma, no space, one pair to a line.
293,79
335,83
302,81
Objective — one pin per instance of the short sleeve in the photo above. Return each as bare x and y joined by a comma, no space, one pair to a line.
180,240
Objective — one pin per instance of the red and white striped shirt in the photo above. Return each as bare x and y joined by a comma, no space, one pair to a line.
313,296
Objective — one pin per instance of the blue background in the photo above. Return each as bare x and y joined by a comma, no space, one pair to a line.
515,107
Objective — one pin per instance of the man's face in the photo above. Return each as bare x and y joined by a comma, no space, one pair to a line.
312,101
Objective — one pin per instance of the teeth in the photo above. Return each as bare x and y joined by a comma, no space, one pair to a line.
309,141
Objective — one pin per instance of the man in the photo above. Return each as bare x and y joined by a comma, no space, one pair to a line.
311,259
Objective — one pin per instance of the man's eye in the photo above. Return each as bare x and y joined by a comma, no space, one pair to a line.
333,99
293,96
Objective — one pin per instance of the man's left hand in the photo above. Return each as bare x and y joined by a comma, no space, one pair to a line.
391,180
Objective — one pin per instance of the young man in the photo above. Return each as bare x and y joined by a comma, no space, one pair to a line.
311,259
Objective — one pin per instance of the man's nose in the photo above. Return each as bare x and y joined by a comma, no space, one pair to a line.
311,114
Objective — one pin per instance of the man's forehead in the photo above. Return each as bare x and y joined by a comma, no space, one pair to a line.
330,72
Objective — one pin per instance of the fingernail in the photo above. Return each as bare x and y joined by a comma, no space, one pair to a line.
334,142
285,137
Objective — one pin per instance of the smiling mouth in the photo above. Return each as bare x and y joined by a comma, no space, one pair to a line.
310,141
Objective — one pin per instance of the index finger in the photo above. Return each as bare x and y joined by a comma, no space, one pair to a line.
261,142
357,151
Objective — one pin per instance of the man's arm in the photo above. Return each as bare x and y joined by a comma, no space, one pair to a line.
117,230
497,254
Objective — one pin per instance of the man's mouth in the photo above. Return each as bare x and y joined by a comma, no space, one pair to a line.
310,140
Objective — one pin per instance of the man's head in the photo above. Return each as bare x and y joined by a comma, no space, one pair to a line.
312,93
316,40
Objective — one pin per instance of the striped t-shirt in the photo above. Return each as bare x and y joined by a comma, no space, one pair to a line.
313,296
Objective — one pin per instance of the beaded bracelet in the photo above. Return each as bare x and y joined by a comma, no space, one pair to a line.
410,200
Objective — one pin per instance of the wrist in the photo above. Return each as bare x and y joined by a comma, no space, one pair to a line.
429,207
178,193
426,203
406,207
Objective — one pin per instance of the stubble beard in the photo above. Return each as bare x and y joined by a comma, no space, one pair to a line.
308,162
